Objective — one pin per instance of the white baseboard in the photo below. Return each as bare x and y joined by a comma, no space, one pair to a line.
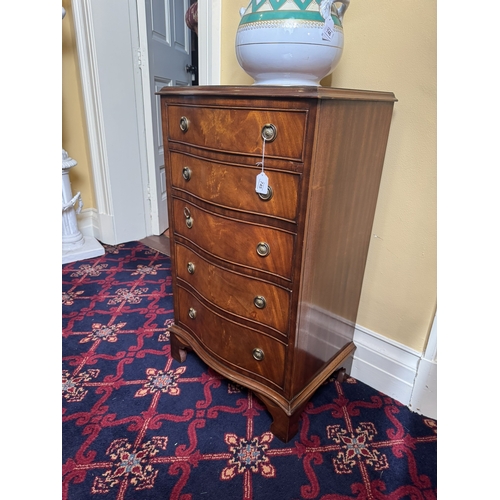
384,364
102,228
90,248
424,397
88,223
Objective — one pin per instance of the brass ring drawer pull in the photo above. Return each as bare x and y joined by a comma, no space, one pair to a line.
184,124
189,219
259,302
186,173
192,313
258,354
268,195
263,249
269,132
190,268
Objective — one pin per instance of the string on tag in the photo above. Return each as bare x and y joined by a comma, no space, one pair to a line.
262,180
261,163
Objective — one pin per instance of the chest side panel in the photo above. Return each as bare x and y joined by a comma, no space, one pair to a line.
349,154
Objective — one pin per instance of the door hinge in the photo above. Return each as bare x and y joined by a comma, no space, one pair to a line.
141,58
150,203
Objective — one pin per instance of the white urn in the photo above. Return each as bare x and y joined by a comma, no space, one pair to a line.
290,42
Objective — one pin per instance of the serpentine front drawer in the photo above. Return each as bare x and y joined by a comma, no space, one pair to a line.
239,130
233,186
244,296
257,355
250,245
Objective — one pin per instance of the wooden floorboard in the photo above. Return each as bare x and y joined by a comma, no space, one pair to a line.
159,243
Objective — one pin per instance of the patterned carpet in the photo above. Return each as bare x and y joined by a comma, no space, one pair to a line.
138,425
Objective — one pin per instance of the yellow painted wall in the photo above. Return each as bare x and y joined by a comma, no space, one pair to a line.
390,46
74,135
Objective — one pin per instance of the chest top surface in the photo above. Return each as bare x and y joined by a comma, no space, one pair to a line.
278,92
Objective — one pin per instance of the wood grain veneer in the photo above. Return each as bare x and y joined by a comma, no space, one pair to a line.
325,166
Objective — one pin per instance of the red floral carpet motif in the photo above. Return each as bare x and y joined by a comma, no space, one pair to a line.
138,425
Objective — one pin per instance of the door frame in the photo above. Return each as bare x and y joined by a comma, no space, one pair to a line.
209,41
144,94
209,20
107,225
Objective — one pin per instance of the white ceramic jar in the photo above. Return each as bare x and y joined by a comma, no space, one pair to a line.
290,42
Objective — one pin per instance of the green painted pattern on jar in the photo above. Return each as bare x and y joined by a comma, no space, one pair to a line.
278,10
277,4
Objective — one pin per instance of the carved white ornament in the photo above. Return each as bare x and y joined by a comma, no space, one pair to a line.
67,162
72,238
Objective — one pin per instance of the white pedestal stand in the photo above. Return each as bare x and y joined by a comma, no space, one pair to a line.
74,245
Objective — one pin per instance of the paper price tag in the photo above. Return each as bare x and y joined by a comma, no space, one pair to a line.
327,33
261,183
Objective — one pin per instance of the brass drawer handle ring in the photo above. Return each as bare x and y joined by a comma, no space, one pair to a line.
189,219
258,354
268,195
184,124
263,249
259,302
269,132
190,268
192,313
186,173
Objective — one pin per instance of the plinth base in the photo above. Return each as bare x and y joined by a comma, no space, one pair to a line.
91,248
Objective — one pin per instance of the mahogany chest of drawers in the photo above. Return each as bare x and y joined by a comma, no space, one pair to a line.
267,286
